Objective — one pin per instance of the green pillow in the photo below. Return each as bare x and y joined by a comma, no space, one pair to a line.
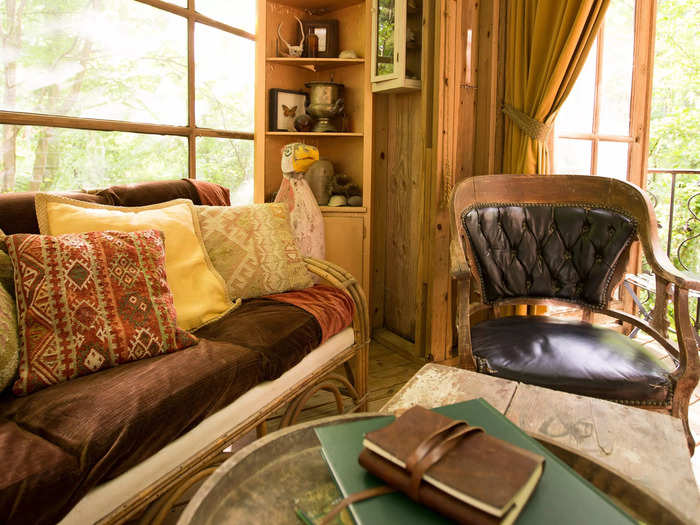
9,341
6,272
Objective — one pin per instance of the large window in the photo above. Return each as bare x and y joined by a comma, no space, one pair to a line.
101,92
593,128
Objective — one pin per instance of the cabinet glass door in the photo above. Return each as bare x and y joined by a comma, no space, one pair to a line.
385,39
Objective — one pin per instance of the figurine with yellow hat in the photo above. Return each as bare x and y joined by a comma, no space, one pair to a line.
304,213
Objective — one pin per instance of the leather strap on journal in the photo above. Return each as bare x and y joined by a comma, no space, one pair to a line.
428,452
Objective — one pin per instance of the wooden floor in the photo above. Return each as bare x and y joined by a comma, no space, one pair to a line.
388,372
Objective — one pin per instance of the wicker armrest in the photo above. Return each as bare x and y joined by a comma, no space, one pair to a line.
341,278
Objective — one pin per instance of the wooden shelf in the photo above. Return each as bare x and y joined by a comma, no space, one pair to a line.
330,5
315,64
343,209
309,134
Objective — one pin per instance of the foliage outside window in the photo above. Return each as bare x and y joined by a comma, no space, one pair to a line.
96,92
386,24
593,133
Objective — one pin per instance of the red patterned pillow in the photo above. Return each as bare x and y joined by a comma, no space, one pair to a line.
90,301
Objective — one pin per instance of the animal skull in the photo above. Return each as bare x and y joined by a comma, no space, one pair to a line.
294,51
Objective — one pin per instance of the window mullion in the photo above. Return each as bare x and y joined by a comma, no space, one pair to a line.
596,99
191,116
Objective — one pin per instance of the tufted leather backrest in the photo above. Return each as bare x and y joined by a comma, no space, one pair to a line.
561,251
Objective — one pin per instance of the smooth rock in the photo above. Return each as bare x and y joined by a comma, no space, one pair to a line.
355,200
337,200
347,53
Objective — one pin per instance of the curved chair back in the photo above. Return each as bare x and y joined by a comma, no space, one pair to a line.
563,237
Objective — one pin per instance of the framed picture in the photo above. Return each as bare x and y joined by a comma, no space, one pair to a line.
327,33
285,106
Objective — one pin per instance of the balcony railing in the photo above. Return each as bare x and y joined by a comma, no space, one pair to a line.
686,237
675,194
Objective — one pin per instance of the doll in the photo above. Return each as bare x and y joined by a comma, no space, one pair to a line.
304,214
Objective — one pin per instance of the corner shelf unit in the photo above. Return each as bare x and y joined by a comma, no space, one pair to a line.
347,228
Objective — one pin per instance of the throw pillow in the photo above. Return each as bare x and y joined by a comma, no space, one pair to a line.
90,301
198,291
9,344
253,248
6,271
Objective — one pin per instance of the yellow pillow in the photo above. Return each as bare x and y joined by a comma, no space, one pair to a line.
199,292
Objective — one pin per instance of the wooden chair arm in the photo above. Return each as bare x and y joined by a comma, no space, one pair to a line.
459,269
662,266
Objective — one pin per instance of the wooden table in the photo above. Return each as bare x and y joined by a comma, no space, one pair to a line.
646,448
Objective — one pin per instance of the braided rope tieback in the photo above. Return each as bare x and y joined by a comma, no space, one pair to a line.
533,128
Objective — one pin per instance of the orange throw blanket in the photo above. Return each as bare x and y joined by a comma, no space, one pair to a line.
332,307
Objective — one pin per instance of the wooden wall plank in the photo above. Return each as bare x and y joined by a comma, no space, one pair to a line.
380,159
403,198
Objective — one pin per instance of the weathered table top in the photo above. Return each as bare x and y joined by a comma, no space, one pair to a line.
644,447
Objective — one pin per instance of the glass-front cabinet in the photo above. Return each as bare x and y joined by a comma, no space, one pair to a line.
396,45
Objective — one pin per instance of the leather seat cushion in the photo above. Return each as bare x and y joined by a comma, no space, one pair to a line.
573,357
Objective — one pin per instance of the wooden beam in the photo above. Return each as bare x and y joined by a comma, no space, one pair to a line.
487,110
193,15
57,121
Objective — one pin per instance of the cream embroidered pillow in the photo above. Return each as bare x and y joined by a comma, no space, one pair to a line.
199,292
253,249
9,343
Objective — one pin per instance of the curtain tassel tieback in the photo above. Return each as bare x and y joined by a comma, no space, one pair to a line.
532,127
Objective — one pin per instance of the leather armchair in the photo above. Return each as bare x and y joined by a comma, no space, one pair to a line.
534,239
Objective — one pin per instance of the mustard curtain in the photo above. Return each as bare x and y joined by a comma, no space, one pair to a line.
547,42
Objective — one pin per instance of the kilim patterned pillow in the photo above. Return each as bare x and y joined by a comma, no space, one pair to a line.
253,249
90,301
9,344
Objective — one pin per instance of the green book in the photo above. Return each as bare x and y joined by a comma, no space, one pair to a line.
562,496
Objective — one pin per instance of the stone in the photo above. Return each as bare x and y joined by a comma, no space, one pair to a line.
347,53
355,200
320,178
337,200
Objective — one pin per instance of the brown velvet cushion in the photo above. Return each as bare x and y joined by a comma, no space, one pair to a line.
117,418
571,356
113,420
17,213
33,466
147,193
282,333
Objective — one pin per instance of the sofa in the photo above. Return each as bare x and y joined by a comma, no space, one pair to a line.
125,442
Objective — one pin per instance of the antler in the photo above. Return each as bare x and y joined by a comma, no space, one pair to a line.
279,34
301,26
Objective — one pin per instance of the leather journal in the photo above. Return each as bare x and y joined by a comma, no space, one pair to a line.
457,469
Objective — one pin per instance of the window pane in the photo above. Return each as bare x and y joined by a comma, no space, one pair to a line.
225,73
618,54
97,59
576,114
228,162
68,159
572,156
612,159
240,14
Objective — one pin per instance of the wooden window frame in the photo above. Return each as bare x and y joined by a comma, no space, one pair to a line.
640,99
191,131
